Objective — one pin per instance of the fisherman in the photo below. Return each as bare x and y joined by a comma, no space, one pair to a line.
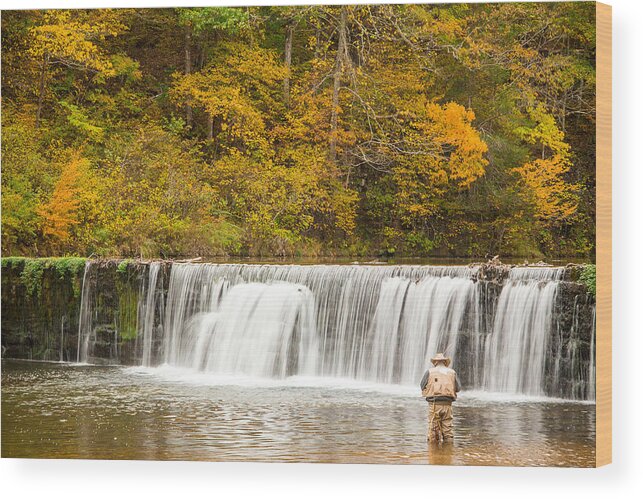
440,385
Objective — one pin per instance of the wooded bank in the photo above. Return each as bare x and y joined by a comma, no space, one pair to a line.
461,130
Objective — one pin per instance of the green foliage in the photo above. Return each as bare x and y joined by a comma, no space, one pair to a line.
123,266
226,19
174,125
79,120
419,243
588,277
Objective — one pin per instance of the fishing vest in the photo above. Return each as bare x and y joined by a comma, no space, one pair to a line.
441,383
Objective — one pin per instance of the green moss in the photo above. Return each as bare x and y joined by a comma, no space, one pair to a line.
67,266
31,276
588,277
10,262
33,269
127,314
70,268
122,266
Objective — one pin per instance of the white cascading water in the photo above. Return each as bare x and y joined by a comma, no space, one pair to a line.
515,350
366,323
378,324
257,329
146,315
591,392
194,290
85,330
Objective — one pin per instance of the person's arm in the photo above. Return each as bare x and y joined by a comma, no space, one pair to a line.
425,380
457,383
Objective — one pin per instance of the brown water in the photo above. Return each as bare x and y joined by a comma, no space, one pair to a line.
67,411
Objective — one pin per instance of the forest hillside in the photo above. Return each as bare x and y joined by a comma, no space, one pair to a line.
417,130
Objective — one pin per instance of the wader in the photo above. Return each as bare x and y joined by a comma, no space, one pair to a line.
440,421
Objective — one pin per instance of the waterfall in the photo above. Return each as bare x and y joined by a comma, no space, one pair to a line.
364,322
516,348
193,290
119,312
591,392
147,315
61,354
377,324
257,329
84,319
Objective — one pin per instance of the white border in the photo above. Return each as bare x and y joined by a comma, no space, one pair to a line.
120,479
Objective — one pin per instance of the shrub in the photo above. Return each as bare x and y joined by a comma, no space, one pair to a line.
588,277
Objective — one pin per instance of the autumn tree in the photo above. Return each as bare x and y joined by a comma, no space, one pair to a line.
204,27
73,203
235,92
553,199
452,130
71,39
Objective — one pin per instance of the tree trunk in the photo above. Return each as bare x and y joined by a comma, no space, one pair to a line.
288,60
41,90
318,41
564,114
188,70
210,127
340,60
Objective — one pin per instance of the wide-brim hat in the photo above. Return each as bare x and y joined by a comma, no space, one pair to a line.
440,357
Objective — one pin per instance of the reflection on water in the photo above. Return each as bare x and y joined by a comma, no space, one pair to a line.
64,411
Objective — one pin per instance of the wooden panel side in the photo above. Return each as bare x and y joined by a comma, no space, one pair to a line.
603,234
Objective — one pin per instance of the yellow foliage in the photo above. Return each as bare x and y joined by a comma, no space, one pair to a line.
364,137
543,179
237,91
450,129
553,199
69,39
281,203
442,152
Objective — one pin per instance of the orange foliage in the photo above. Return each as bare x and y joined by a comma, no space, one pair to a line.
60,213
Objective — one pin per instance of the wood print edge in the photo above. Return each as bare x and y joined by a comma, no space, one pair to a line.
603,234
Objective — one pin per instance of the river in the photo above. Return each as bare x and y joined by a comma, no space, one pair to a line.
56,410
